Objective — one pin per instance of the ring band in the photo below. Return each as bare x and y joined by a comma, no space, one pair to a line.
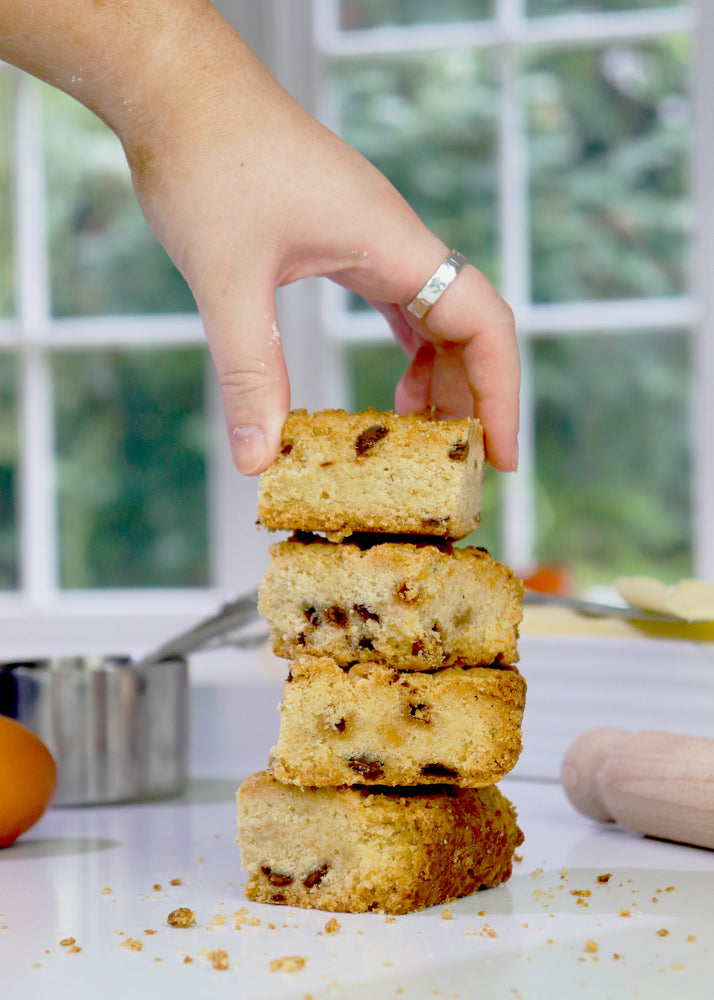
437,284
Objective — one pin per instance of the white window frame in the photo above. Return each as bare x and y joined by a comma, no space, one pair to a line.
39,618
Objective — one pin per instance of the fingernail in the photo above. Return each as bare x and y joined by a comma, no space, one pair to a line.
514,459
248,448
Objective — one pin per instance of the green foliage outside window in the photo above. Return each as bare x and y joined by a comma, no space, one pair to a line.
8,467
131,468
7,293
104,259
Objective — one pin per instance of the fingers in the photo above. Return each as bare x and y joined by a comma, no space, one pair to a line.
464,352
245,344
472,316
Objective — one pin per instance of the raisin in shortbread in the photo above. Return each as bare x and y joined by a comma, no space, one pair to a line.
371,724
341,472
358,849
417,605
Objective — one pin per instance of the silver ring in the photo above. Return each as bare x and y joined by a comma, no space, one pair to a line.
437,284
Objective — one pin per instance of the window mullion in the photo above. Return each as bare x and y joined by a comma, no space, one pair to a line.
518,497
38,572
703,342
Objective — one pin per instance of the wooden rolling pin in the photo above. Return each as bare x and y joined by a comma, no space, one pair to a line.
654,783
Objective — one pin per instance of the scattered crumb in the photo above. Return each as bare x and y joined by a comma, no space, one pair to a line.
580,892
65,942
604,879
625,913
158,959
663,932
691,937
289,963
537,872
254,921
199,861
390,920
518,858
106,890
591,947
148,930
175,881
133,944
187,960
219,919
156,887
218,958
74,950
181,917
564,872
333,926
447,915
271,926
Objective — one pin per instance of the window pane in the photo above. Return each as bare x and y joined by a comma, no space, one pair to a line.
613,454
609,135
377,13
131,454
375,371
8,467
104,259
7,295
537,7
429,123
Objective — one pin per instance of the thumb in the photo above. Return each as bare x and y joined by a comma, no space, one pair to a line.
245,344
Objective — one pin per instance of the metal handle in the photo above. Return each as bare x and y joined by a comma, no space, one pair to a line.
214,632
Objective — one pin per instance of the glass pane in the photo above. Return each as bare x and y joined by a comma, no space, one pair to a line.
7,264
609,135
429,123
131,455
104,259
377,13
8,469
538,7
613,455
375,371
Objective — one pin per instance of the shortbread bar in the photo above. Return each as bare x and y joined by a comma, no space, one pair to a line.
341,472
417,605
370,724
358,849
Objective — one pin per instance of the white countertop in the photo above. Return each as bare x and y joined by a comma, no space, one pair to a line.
553,931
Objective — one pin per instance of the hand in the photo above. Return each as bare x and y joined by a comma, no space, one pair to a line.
248,192
249,198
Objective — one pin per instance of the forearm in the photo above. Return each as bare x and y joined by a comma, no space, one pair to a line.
135,63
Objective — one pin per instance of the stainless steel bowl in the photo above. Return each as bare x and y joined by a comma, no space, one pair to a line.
118,729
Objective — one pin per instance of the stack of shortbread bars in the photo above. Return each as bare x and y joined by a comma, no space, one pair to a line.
402,706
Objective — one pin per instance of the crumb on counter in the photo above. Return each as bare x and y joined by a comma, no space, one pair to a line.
604,879
288,963
65,942
591,947
175,881
181,917
447,915
133,944
218,958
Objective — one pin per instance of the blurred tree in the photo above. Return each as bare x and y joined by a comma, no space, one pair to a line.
131,468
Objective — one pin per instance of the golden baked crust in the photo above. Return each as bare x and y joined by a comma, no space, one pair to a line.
340,472
385,850
373,725
415,605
